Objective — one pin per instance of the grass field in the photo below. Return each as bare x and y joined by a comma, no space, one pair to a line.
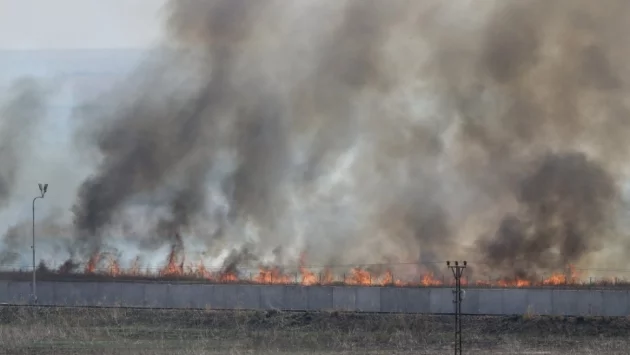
124,331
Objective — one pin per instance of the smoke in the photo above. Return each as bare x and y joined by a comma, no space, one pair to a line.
545,84
568,206
149,144
365,132
10,241
16,242
22,110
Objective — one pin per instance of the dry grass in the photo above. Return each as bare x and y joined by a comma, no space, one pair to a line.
124,331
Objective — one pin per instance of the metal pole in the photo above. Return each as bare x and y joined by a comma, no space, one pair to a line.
458,271
459,294
34,285
42,190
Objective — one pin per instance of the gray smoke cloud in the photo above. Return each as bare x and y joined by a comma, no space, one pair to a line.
368,132
22,109
545,83
17,241
568,208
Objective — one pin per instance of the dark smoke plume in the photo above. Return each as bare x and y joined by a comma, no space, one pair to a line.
568,204
547,78
148,142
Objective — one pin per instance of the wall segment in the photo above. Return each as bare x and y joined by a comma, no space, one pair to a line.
321,298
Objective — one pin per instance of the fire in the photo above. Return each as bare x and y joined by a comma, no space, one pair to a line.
272,276
135,267
202,272
514,283
308,277
91,264
226,278
114,267
359,276
570,277
327,277
388,279
428,280
175,267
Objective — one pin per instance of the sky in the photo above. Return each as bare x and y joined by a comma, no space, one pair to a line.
75,40
74,24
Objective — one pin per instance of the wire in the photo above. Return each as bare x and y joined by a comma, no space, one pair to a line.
283,268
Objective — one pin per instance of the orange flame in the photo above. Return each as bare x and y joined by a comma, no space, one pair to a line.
307,277
275,275
428,280
173,268
326,277
113,267
135,267
388,280
227,277
359,276
91,265
272,276
571,276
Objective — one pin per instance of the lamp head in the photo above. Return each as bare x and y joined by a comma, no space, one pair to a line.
448,263
43,188
464,262
456,263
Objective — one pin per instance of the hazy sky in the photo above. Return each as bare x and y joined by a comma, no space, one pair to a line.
72,24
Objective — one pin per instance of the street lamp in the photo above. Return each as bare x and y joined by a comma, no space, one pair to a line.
42,190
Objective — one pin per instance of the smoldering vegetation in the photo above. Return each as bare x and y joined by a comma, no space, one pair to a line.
368,132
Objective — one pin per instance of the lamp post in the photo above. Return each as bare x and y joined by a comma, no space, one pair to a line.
42,190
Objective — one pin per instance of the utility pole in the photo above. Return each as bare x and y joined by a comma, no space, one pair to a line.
458,297
42,190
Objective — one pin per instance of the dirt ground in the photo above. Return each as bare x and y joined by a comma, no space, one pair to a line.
124,331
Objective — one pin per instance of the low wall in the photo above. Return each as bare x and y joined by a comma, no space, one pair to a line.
317,298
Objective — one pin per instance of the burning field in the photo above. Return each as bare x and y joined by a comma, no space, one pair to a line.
277,142
372,275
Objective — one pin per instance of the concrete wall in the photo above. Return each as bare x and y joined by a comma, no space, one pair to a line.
342,298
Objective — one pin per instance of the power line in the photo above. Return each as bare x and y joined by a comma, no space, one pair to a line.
55,263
